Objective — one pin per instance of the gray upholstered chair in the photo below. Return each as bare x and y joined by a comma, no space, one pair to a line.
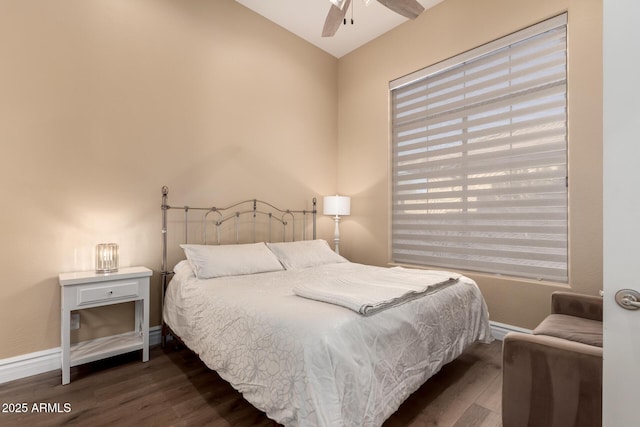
553,377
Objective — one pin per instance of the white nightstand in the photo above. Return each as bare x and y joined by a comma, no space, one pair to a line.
89,289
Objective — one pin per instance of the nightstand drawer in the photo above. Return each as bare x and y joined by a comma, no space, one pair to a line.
108,292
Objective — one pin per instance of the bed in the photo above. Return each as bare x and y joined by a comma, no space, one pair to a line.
314,359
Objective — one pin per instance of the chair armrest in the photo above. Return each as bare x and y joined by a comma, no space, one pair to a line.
585,306
548,381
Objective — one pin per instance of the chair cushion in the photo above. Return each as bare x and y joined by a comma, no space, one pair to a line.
571,328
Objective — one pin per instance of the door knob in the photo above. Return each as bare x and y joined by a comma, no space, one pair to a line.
628,299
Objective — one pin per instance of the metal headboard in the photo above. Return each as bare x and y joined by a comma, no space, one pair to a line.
235,213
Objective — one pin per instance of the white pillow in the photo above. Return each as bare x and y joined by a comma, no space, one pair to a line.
209,261
183,267
305,253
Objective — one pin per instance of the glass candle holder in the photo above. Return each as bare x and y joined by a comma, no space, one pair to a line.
106,258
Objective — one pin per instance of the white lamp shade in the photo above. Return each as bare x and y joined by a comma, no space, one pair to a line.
337,205
338,3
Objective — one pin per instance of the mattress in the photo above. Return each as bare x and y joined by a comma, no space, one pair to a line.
311,363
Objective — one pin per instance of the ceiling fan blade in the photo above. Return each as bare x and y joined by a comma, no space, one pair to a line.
334,19
407,8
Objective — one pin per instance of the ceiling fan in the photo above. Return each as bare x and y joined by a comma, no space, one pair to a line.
407,8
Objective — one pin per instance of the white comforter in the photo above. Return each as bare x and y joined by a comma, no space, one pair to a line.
309,363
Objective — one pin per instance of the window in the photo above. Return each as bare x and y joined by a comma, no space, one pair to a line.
479,159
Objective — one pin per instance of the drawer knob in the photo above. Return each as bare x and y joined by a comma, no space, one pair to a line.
110,292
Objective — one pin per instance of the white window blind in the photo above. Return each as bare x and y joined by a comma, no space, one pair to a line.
480,159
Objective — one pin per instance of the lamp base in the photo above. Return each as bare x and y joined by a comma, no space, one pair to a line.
107,271
336,235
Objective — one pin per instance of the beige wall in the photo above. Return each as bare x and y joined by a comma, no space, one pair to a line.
104,101
452,27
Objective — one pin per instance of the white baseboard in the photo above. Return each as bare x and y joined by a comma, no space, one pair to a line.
26,365
499,330
39,362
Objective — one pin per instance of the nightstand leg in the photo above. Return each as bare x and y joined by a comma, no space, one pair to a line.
142,326
145,328
65,333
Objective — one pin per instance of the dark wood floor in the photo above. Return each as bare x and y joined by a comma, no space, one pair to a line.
175,389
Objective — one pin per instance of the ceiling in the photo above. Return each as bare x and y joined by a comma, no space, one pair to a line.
305,18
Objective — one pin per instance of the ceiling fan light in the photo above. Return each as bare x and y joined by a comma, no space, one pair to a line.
338,3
